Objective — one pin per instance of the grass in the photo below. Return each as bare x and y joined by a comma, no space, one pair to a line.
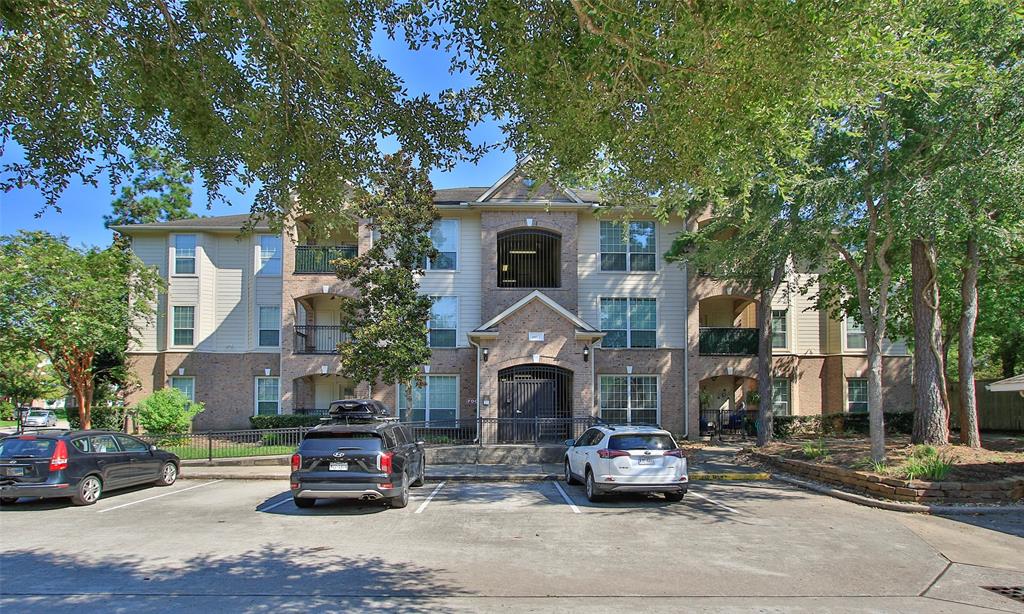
925,462
187,452
8,423
815,450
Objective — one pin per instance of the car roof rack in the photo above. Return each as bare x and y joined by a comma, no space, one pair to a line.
357,411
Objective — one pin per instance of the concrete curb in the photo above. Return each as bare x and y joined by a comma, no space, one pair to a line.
893,506
481,478
728,476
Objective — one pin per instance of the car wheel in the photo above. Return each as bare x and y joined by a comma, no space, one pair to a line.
402,499
674,497
592,493
88,491
569,478
8,500
304,502
168,475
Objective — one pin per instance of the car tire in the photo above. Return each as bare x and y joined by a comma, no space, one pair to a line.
569,477
402,499
593,494
88,491
422,477
304,502
8,500
168,475
674,497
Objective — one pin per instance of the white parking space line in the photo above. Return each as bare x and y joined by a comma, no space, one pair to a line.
423,506
565,496
713,502
166,494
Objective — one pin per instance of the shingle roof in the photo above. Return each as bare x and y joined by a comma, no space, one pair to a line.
217,222
455,196
1010,384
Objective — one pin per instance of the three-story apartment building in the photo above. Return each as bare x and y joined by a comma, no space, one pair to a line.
543,306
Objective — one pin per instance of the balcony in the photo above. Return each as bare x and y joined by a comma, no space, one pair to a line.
728,341
318,258
319,339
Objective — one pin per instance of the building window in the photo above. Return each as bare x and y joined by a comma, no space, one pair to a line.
436,400
186,385
184,324
629,398
779,339
184,254
443,324
857,395
270,255
270,326
635,251
629,322
855,339
445,237
529,259
268,396
780,396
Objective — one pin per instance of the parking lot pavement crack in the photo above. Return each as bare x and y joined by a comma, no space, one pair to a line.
936,578
973,605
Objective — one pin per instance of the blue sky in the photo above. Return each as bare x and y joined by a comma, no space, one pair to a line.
83,206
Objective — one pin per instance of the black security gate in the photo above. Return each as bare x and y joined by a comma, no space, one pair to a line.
533,403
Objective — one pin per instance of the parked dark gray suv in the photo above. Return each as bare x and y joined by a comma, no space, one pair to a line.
358,454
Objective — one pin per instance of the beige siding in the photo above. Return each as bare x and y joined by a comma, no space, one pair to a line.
231,314
463,283
666,283
152,250
207,256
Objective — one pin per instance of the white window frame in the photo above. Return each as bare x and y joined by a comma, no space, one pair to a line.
261,262
260,329
846,394
171,327
458,241
194,257
629,397
789,396
629,321
256,395
170,384
426,395
628,251
433,299
785,329
846,334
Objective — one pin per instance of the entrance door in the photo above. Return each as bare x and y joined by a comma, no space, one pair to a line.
534,403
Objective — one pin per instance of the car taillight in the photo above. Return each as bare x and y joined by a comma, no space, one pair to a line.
386,461
676,453
606,453
296,462
59,460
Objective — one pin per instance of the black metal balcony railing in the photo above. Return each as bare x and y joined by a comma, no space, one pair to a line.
319,339
728,341
318,258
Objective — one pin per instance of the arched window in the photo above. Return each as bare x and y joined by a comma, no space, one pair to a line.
529,259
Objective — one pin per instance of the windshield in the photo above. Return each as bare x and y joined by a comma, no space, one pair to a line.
641,441
330,441
38,414
15,447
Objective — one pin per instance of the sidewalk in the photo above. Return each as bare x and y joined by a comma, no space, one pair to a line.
435,473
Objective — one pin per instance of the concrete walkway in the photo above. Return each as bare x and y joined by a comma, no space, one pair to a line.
435,473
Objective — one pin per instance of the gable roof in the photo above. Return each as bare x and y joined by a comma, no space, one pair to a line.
537,295
572,196
219,222
1010,384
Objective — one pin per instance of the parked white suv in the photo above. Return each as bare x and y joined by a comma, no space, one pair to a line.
616,459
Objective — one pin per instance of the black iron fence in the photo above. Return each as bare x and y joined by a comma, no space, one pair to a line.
318,258
728,341
718,422
319,339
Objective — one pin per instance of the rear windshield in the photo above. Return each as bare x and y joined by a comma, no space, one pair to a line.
14,447
331,441
641,441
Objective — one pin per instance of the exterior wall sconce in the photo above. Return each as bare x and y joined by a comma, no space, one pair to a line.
426,368
586,353
181,371
266,372
486,352
323,369
629,369
729,370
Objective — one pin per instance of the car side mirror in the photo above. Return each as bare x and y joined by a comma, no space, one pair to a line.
152,448
570,443
421,443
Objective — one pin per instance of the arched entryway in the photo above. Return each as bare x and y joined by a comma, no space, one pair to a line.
534,403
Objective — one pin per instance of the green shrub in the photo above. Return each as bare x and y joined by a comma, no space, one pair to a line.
104,417
284,421
815,450
6,410
926,462
167,410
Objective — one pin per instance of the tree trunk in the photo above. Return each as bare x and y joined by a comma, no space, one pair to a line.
969,434
929,406
764,367
84,413
876,411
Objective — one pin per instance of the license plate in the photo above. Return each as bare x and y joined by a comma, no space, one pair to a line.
14,471
338,467
645,460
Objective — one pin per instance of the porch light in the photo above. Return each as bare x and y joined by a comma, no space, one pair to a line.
486,352
629,369
426,368
326,289
728,370
586,353
266,372
181,371
323,369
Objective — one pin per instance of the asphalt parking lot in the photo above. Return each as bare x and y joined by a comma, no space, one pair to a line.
243,546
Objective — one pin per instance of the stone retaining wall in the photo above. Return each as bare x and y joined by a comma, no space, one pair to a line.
915,491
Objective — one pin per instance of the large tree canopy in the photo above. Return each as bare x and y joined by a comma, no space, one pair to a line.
288,95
